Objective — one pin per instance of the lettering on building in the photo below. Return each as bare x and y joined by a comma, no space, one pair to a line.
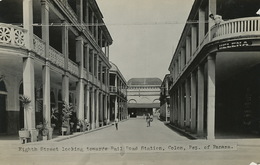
234,44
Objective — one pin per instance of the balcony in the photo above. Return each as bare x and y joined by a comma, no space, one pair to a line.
12,35
113,89
248,26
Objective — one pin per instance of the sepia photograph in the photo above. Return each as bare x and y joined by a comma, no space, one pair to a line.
129,82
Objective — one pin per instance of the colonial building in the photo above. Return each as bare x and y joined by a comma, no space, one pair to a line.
52,51
143,96
118,94
215,69
165,98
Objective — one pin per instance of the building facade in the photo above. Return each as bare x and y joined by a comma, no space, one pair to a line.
215,70
143,96
165,99
118,94
52,51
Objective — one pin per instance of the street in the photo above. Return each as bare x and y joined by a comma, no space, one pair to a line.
133,132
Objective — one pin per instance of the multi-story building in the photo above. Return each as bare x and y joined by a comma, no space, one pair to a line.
143,96
118,94
52,51
165,98
215,69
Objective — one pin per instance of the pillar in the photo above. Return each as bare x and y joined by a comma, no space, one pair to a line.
97,107
46,67
93,120
193,102
194,36
188,101
28,90
80,84
87,102
46,93
188,49
211,95
201,25
200,104
182,111
105,108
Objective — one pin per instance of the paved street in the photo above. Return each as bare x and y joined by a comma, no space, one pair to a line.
131,131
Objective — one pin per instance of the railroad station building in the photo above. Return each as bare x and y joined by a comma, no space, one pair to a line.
215,70
143,96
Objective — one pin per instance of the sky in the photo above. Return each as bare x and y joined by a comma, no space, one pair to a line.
145,34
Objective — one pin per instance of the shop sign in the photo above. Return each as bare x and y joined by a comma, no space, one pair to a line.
234,44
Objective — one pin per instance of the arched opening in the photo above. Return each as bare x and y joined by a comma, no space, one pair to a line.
3,122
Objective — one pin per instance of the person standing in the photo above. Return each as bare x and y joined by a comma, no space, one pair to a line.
148,120
116,123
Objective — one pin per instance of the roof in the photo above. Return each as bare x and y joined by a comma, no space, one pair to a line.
144,81
114,68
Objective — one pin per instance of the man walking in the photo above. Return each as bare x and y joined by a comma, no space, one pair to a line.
116,123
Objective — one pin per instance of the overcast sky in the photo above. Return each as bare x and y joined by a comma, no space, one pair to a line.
145,34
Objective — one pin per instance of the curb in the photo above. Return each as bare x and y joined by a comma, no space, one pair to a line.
61,138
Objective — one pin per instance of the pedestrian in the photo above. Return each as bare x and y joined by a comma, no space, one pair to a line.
116,123
148,120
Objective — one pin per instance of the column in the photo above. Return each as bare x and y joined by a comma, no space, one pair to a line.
46,93
212,10
116,108
87,102
194,36
200,104
101,108
97,107
105,108
176,104
182,105
211,97
80,84
79,6
28,90
108,108
28,69
193,102
86,54
93,63
80,99
188,49
65,45
97,27
46,67
183,58
65,88
27,23
179,106
201,25
93,120
188,101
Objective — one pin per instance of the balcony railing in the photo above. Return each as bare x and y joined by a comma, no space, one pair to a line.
56,57
39,46
73,68
12,35
113,89
236,28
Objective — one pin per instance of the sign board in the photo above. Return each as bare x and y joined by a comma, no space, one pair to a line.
234,44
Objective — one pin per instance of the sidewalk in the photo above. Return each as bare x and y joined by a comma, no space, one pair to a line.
241,141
